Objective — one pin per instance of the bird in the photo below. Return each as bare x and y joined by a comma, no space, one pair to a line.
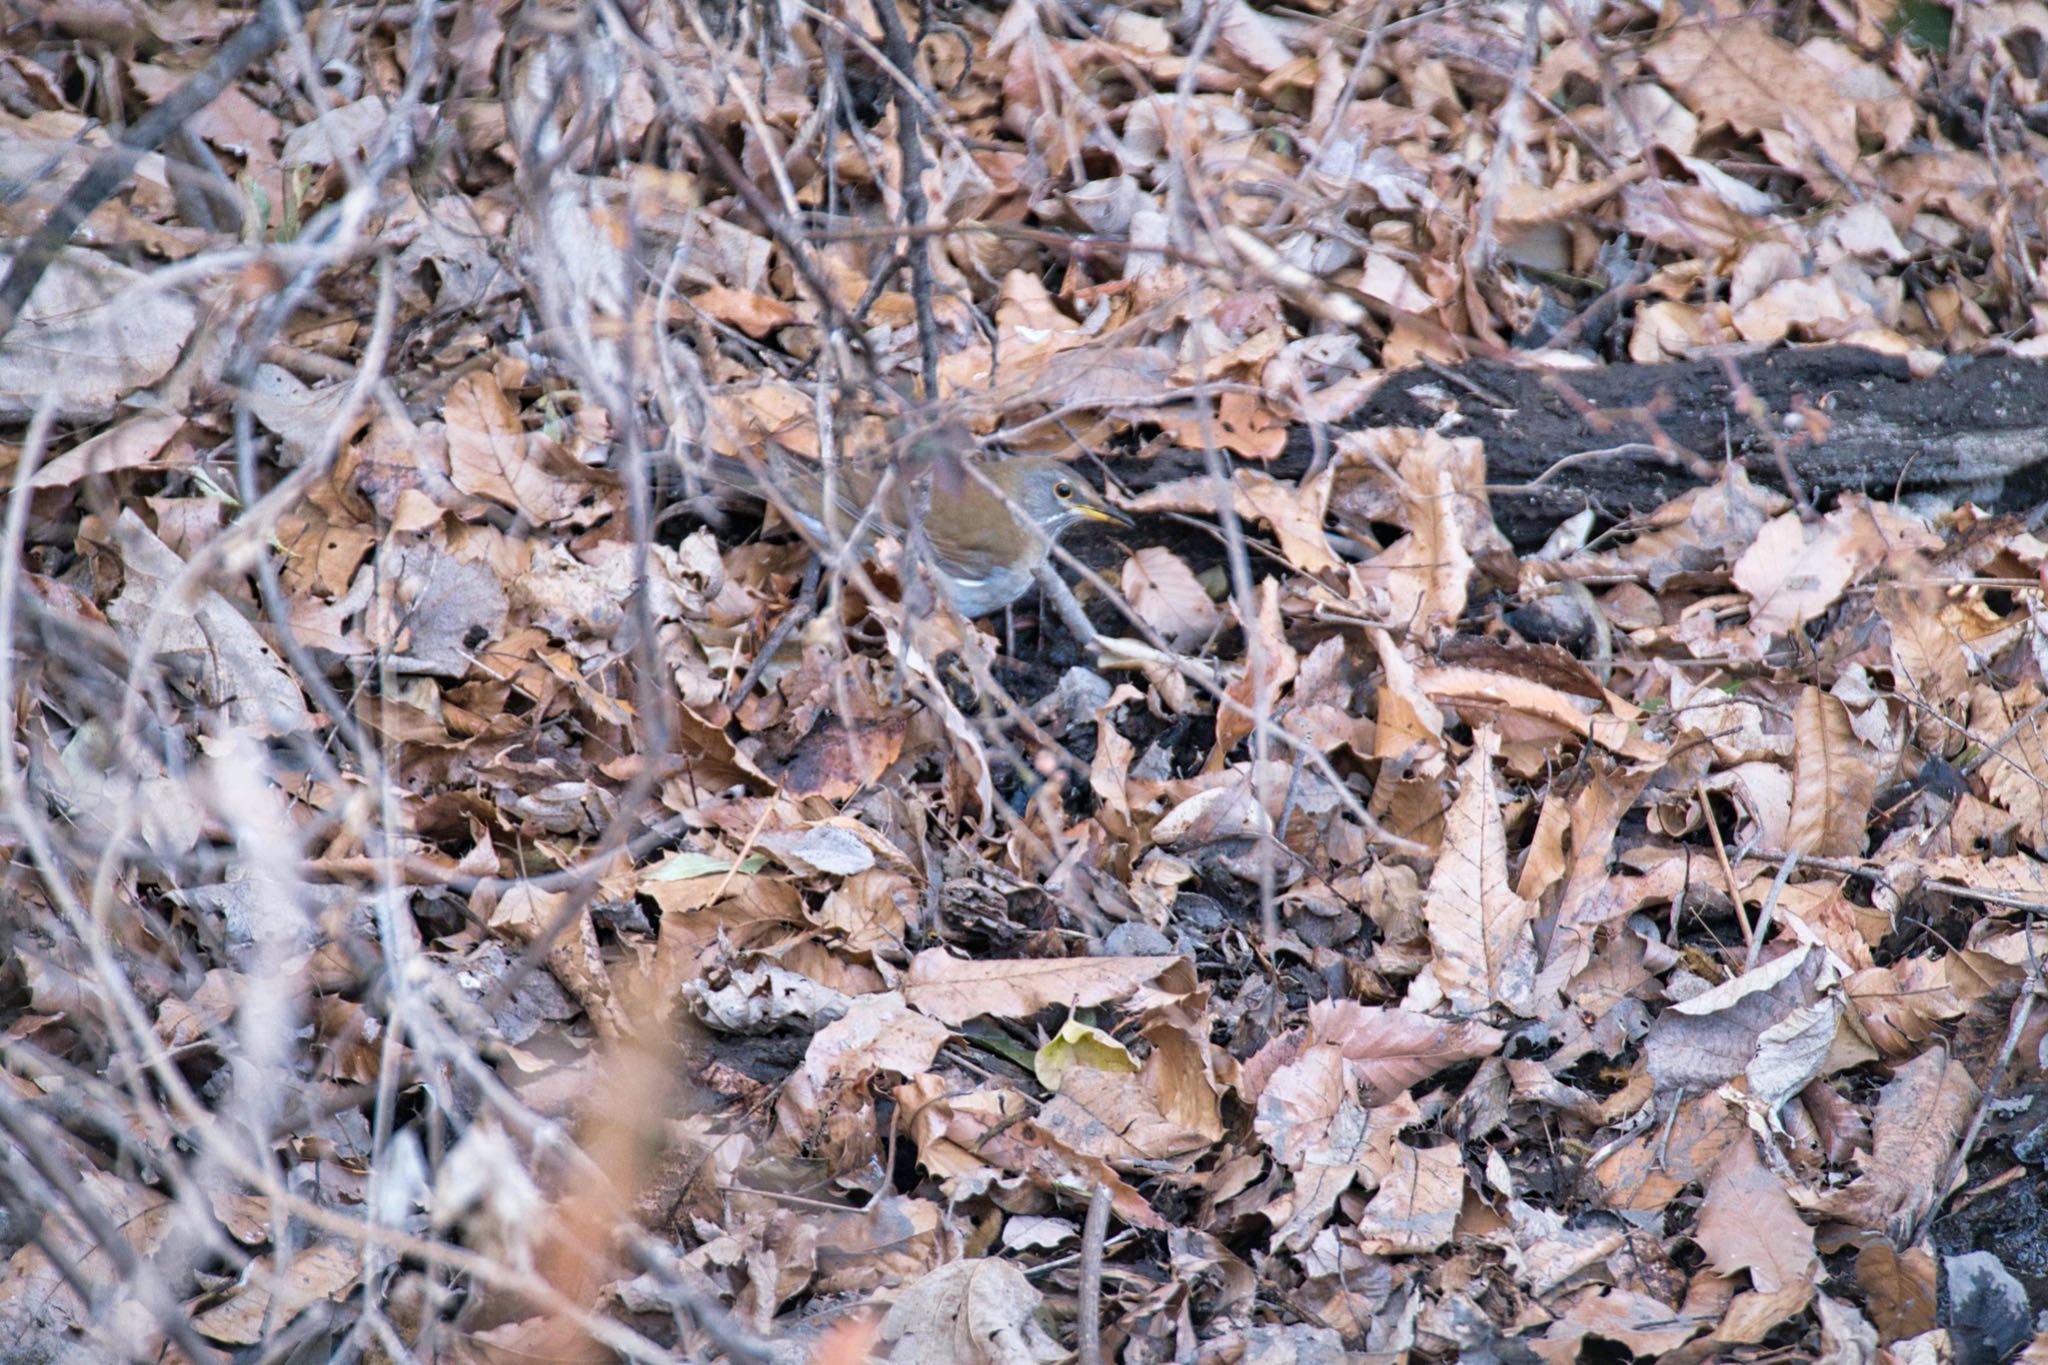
989,525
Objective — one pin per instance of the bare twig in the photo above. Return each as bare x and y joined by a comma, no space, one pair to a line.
910,145
1770,908
1088,1309
248,45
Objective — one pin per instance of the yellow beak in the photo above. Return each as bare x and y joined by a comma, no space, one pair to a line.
1095,511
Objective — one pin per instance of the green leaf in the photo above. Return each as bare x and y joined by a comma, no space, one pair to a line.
986,1035
685,867
1927,26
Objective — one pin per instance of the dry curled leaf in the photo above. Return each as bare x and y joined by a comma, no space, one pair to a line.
1920,1116
953,990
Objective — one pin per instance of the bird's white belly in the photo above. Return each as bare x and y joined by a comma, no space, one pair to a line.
975,597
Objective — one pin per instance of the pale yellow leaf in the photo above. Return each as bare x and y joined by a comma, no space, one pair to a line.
1079,1045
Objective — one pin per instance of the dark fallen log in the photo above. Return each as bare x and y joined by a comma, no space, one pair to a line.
1837,418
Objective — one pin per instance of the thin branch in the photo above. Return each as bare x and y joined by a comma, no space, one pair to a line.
910,146
248,45
1088,1310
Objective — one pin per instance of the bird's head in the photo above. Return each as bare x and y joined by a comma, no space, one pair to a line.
1050,494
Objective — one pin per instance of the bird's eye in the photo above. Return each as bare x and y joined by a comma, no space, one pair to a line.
1063,490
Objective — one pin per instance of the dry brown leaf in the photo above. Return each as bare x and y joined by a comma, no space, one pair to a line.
870,912
841,736
1295,512
344,132
1310,1116
1410,726
1385,1050
954,990
1921,1114
1899,1289
1165,594
1638,1321
1109,771
304,418
1710,525
1484,950
970,1135
887,1244
32,1285
1545,864
2017,875
755,314
971,1312
1647,1171
1408,477
1772,1024
1747,1222
1524,710
1241,424
233,122
1187,1074
1424,575
1240,803
1119,1118
1752,1316
92,333
322,1272
524,912
1740,74
1270,664
1324,711
2016,773
1897,1018
1794,572
877,1033
1834,779
1194,496
1845,1333
1416,1209
492,456
233,666
1811,309
138,443
246,1217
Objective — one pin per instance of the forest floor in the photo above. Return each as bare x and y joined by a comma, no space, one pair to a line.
1540,860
